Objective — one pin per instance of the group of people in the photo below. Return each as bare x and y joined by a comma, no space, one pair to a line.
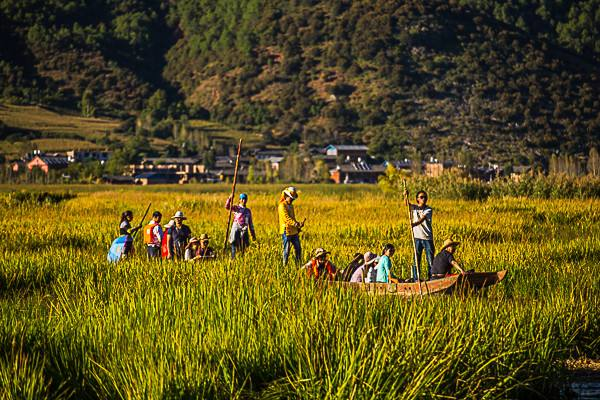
174,240
371,268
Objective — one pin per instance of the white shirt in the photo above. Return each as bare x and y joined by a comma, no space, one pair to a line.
423,230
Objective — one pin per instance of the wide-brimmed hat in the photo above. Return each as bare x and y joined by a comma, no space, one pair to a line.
178,214
204,237
291,192
191,242
448,243
370,258
320,252
169,224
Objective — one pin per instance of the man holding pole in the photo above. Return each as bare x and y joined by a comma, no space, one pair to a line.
289,226
421,215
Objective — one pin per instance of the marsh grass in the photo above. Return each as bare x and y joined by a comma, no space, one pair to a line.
72,326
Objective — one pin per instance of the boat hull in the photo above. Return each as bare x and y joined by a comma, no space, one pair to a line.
480,280
438,286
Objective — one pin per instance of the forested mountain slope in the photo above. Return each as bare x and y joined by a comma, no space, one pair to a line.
501,81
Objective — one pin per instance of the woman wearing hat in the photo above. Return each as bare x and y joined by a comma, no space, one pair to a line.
179,236
360,274
289,226
444,261
242,223
191,250
205,251
319,266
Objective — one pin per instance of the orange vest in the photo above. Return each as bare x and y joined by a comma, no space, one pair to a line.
314,269
149,236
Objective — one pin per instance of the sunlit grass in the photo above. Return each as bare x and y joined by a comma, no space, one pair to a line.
72,325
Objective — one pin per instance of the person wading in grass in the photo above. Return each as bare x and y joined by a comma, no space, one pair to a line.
384,273
179,237
421,222
125,225
289,226
126,229
205,251
319,266
153,235
444,260
242,223
166,245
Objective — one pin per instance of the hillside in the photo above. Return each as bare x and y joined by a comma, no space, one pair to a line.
470,79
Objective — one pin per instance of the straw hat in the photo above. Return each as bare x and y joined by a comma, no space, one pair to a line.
192,241
320,252
178,214
169,224
291,192
204,237
448,243
370,258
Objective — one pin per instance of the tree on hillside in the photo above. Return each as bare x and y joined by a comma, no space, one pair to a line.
88,107
593,162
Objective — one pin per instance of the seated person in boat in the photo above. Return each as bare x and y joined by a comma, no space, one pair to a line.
360,275
444,261
319,266
384,273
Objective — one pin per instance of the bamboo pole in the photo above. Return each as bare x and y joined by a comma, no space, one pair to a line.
412,236
237,161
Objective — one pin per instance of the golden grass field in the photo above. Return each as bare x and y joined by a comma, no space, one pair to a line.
74,326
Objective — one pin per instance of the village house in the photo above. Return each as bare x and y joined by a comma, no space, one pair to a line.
434,168
357,172
86,155
155,178
336,153
47,162
182,169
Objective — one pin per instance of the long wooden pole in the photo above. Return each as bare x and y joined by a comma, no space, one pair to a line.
412,236
237,161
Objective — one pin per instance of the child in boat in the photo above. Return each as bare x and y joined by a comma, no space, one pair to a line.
361,273
444,261
384,274
319,266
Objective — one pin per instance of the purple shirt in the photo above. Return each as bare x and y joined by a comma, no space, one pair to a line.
242,216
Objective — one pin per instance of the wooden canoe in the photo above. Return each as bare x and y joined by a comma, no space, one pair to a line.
440,286
480,280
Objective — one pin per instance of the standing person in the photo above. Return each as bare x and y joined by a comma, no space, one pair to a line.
166,245
242,223
289,226
153,235
421,215
444,261
384,273
319,266
125,224
179,236
126,229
